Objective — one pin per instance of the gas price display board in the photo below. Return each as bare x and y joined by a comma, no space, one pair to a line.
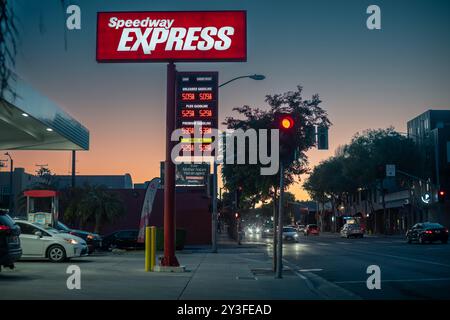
197,109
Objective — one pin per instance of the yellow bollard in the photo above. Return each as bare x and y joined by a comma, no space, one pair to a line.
148,248
153,247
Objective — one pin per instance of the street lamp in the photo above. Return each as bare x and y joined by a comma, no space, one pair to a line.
256,77
11,171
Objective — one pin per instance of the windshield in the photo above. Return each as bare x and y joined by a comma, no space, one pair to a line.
289,230
47,228
63,227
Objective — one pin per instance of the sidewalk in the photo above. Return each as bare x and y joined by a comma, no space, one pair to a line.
235,272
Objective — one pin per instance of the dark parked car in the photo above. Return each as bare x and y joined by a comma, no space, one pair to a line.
93,240
427,232
123,239
10,250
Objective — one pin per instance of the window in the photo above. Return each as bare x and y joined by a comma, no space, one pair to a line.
27,228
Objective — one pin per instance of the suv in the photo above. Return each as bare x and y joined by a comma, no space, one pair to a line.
10,250
352,230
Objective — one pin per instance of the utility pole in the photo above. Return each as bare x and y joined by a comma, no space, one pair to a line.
214,209
279,267
11,174
275,224
73,168
383,194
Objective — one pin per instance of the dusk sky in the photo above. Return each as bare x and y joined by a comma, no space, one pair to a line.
366,79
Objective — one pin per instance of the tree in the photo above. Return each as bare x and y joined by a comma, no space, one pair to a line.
247,176
354,166
46,179
95,205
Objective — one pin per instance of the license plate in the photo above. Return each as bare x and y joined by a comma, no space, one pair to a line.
437,231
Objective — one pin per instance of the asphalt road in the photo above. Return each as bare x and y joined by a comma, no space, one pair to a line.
408,271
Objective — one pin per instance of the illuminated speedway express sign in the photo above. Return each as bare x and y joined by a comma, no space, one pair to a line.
171,36
197,109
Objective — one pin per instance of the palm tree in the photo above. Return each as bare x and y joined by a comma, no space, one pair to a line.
96,205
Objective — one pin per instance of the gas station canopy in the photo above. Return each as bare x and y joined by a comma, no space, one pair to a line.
29,121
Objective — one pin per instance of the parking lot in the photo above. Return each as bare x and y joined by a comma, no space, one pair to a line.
103,276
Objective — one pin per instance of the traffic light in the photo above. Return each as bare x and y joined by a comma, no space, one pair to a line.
322,138
442,195
238,194
287,125
237,215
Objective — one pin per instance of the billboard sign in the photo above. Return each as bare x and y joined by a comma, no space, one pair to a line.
171,36
197,109
189,174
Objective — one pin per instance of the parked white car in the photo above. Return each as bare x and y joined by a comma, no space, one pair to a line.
39,241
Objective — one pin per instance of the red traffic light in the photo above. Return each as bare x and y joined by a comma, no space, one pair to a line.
442,193
286,122
237,215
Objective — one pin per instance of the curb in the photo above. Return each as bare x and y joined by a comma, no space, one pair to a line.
323,288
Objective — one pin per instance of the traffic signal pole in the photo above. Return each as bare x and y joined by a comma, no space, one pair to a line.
169,259
279,265
214,209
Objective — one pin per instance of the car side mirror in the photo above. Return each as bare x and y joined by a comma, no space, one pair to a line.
38,233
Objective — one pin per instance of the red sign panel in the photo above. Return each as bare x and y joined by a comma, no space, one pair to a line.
172,36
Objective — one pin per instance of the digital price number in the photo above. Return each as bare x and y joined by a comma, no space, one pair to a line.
197,96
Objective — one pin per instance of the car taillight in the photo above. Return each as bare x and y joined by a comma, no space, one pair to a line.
428,232
4,228
446,230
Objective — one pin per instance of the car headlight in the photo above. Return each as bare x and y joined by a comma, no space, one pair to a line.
295,235
90,237
258,230
267,230
71,241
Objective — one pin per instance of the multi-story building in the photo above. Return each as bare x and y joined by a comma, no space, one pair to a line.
431,131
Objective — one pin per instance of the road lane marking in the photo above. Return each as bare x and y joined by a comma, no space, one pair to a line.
323,244
394,280
400,257
310,270
340,242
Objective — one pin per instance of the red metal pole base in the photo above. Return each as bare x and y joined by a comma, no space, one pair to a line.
169,259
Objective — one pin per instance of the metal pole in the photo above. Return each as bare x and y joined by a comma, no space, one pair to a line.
384,204
169,258
11,191
280,226
275,235
214,209
73,167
